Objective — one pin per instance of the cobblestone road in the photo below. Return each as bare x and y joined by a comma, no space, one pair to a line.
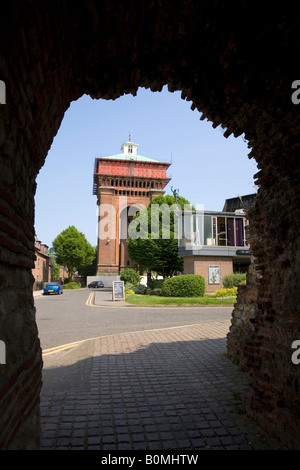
169,389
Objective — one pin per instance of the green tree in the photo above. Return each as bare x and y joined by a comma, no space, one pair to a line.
72,250
55,266
152,243
89,269
55,271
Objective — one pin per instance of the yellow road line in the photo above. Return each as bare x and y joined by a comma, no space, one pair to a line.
47,352
63,347
90,300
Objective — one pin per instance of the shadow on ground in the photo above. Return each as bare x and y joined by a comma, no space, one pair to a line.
158,396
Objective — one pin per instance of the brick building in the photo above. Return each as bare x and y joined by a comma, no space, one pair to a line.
123,184
42,269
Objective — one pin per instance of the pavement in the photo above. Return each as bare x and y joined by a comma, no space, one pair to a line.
158,390
37,293
104,298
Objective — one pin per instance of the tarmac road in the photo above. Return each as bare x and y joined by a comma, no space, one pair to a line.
150,379
64,319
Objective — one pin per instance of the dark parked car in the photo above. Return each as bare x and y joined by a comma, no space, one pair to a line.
53,288
96,284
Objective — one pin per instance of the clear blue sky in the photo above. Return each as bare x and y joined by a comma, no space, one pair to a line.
206,167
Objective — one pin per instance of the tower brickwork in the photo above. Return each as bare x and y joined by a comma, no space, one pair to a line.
123,183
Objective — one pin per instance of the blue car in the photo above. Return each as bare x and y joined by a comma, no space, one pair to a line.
96,284
53,288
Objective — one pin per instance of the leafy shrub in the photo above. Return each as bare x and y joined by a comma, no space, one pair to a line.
153,291
226,292
129,291
157,291
72,285
140,289
234,280
155,283
130,276
185,285
128,285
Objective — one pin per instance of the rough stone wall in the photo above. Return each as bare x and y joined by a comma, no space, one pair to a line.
234,64
20,375
266,318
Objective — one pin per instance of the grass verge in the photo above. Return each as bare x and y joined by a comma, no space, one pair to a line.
137,299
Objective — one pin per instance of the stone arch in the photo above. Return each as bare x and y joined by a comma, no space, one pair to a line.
233,64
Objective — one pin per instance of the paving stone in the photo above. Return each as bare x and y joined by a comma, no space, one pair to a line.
161,389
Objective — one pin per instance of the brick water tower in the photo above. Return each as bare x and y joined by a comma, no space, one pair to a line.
123,183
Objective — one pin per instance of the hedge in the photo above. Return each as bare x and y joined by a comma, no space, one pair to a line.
155,283
72,285
130,276
185,285
234,280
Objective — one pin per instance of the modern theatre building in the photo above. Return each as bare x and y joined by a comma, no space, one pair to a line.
214,244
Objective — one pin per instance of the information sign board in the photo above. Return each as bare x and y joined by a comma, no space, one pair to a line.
118,290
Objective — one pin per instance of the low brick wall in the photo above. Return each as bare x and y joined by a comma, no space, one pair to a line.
200,264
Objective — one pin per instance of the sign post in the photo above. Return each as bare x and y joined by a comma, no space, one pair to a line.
118,292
